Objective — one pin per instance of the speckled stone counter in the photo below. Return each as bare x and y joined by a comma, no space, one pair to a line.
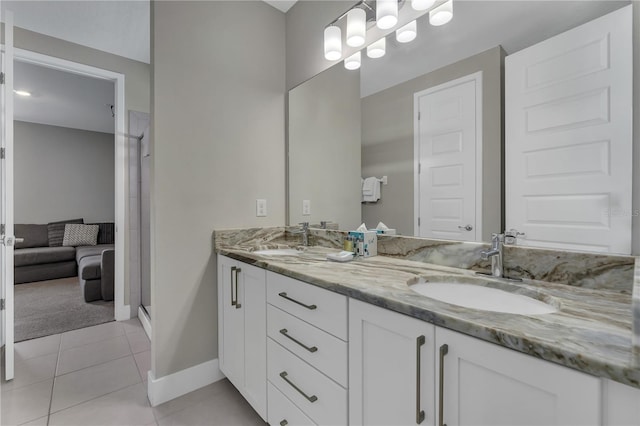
596,295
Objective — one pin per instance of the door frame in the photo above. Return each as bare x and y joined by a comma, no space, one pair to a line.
477,78
121,311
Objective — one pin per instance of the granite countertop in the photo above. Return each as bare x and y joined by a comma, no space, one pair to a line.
590,332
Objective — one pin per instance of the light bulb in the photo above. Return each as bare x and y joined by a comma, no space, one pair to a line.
353,62
407,33
377,49
441,14
332,43
386,13
356,27
422,4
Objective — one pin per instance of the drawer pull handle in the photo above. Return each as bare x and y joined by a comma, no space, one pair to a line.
444,349
419,413
284,422
311,398
234,283
310,307
310,349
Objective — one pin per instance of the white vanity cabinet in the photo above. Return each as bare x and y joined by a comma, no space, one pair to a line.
391,367
484,384
242,333
393,376
306,352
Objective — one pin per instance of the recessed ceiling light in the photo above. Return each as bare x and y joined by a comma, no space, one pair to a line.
22,93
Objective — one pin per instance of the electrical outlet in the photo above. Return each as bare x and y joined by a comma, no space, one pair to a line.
306,207
261,208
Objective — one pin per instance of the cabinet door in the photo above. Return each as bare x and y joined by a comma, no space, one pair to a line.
391,367
231,322
485,384
253,296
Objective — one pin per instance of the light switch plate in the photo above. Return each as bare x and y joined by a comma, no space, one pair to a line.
306,207
261,208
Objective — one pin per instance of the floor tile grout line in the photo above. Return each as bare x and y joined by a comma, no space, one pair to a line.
94,398
97,341
53,382
99,364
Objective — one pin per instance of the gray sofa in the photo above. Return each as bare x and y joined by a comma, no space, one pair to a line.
36,260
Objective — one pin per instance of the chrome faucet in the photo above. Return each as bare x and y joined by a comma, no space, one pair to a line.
495,253
304,232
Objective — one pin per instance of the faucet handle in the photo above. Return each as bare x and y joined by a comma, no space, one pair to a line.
511,236
304,225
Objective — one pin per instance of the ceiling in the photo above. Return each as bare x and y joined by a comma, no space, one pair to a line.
281,5
63,99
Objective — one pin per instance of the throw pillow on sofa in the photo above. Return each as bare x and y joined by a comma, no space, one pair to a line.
80,235
107,232
56,231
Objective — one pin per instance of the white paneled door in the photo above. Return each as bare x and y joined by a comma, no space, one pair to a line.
568,138
447,149
6,194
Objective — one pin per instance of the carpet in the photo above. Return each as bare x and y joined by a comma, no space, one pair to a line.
51,307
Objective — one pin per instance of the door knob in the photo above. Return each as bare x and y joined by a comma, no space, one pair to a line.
466,227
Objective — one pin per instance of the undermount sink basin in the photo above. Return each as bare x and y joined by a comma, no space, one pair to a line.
479,296
278,252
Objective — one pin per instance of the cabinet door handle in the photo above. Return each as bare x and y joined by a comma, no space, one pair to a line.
310,307
284,422
419,413
310,349
444,349
311,398
234,283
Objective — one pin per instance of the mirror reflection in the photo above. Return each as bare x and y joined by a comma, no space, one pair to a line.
430,117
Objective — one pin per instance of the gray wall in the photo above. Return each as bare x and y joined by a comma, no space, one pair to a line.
217,146
137,87
324,148
62,173
388,142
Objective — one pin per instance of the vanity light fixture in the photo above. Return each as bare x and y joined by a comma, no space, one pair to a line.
377,49
407,33
442,14
422,4
353,62
22,93
386,13
332,43
356,27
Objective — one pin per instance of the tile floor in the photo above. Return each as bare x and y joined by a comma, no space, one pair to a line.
98,376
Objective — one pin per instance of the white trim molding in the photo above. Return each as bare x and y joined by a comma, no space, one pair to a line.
122,311
182,382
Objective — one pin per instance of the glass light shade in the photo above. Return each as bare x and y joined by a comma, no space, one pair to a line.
332,43
407,33
353,62
422,4
386,13
356,27
441,14
377,49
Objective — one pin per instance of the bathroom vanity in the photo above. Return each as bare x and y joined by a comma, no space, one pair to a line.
308,341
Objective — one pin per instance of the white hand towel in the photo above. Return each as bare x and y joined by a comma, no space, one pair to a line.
371,190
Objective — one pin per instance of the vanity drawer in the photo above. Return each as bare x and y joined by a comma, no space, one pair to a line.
317,306
283,412
320,349
320,398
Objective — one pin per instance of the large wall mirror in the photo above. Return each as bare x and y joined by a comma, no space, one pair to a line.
446,87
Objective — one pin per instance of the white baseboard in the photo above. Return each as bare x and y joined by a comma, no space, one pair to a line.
182,382
122,312
144,320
